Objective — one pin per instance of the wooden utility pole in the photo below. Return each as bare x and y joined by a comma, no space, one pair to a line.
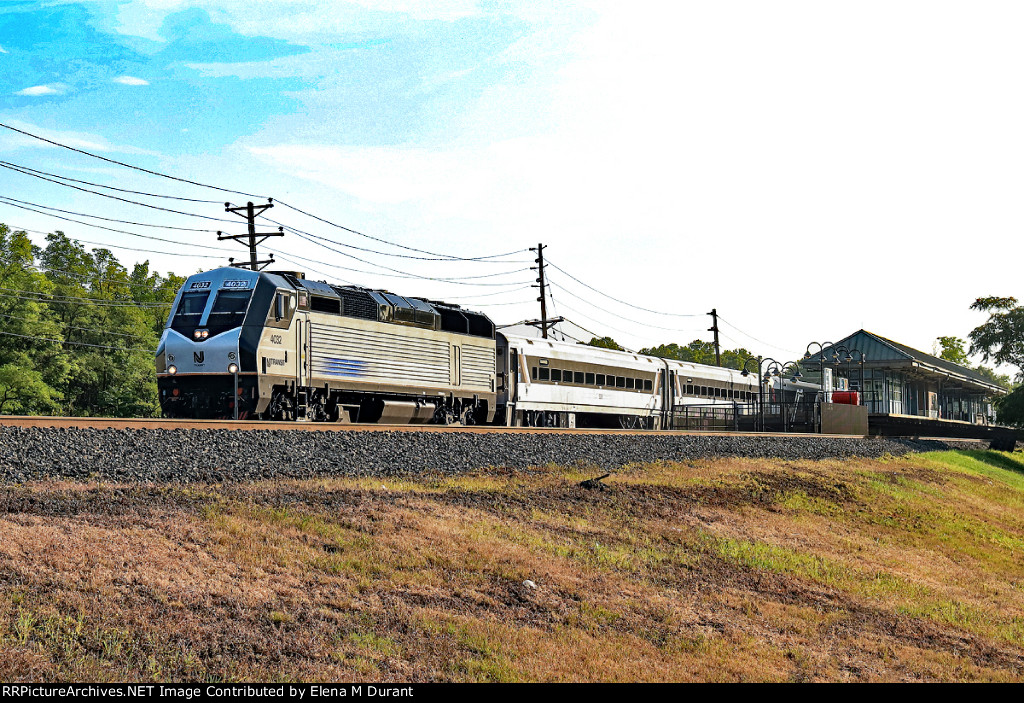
250,212
714,328
543,296
544,324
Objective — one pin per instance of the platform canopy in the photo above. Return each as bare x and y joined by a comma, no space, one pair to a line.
882,353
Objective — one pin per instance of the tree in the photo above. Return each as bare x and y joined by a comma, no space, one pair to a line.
1001,337
32,366
700,352
605,343
953,350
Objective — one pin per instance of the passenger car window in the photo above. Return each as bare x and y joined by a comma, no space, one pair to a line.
590,379
620,381
545,374
577,377
556,375
600,379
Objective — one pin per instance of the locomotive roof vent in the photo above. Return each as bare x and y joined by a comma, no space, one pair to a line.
289,274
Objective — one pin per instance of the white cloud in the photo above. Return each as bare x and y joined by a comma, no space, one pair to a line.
3,50
130,80
37,90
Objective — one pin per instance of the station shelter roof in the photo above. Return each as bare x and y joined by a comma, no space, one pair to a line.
882,353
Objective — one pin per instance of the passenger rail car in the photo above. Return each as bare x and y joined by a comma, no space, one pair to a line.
278,346
544,383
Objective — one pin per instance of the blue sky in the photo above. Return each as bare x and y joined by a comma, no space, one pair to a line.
679,155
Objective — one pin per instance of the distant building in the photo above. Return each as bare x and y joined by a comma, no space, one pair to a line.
901,381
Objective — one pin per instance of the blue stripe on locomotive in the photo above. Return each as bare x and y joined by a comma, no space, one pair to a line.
335,366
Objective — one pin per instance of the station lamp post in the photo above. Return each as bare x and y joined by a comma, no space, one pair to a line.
821,360
849,360
760,396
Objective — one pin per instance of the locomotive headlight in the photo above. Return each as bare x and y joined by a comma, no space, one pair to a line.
172,369
232,368
197,334
206,333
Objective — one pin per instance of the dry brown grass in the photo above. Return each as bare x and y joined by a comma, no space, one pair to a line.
727,570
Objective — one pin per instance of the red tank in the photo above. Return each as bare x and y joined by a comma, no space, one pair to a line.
846,397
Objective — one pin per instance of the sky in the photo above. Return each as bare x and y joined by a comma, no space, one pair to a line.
806,168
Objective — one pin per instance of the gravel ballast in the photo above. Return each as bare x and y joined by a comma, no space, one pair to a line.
232,455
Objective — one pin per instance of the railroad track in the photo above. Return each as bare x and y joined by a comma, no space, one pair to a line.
108,423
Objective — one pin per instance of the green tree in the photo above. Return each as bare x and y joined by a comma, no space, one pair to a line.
699,352
953,350
1001,339
33,367
605,343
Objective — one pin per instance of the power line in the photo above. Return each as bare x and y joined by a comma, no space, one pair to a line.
120,246
100,185
621,317
73,298
121,163
394,244
484,260
759,341
73,327
108,219
237,192
621,302
78,344
115,197
3,200
405,274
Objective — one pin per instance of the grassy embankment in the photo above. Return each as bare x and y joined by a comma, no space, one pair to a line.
897,569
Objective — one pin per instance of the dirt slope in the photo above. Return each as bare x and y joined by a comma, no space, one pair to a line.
891,569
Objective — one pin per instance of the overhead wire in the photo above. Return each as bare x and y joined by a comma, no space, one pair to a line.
108,219
759,341
127,165
486,260
73,327
100,185
115,197
78,344
3,200
238,192
621,302
46,297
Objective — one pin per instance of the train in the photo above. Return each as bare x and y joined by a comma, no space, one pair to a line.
277,346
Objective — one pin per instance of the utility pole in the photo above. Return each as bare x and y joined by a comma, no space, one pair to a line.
544,324
250,212
714,328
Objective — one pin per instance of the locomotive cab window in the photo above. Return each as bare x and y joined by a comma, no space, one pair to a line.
189,312
228,310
